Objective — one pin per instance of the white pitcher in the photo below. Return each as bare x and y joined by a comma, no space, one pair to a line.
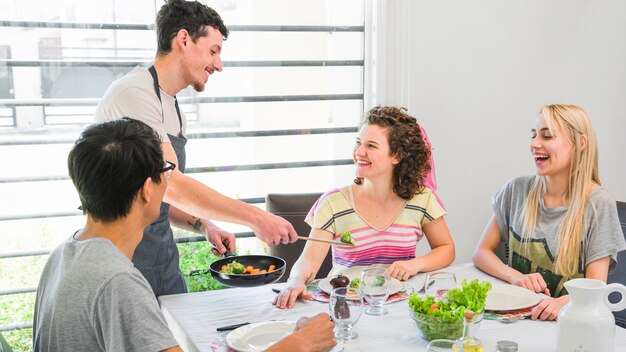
586,322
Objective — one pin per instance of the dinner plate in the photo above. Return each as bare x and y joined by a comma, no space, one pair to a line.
324,284
258,337
510,297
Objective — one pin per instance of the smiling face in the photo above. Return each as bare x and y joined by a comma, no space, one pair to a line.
551,148
371,153
203,58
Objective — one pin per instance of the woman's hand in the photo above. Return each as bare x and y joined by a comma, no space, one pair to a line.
533,282
287,297
549,309
402,269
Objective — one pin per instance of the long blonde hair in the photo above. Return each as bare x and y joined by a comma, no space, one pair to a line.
575,126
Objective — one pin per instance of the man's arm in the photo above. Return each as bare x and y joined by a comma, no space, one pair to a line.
201,201
219,238
311,335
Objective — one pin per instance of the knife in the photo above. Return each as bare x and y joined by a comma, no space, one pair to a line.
231,327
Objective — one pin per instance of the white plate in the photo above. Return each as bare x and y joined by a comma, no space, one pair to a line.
510,297
324,284
258,337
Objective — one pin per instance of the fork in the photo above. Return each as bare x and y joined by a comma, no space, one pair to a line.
423,289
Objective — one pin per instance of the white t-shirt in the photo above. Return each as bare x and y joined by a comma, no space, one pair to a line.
133,96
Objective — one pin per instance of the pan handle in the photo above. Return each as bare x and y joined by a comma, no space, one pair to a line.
199,272
207,270
227,254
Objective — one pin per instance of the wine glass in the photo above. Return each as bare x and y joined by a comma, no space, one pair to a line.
345,306
375,285
438,283
443,345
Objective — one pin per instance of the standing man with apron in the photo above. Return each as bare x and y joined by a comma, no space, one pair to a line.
190,37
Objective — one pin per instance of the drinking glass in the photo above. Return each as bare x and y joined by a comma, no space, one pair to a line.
443,345
438,283
346,305
375,285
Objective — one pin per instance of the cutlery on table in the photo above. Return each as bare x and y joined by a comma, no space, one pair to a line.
424,288
335,242
231,327
235,326
510,320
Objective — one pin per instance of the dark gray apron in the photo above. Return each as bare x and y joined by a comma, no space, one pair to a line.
157,255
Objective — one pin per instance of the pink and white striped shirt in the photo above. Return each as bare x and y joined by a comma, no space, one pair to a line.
334,212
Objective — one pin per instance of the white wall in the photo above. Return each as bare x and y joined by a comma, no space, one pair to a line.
475,74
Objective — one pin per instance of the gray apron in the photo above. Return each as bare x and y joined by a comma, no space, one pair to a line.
156,256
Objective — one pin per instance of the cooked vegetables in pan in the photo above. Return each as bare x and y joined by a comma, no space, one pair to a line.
235,267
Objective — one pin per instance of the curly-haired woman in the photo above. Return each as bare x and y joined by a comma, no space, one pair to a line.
387,211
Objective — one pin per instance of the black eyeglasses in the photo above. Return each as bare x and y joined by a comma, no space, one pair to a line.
169,169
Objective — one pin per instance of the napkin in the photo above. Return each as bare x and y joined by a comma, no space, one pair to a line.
219,343
502,315
321,296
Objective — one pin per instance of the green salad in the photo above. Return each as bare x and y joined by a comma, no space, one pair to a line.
444,319
355,283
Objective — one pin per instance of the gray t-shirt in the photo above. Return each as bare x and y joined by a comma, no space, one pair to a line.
602,232
91,298
133,96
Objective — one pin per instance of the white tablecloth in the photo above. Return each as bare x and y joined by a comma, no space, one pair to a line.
193,318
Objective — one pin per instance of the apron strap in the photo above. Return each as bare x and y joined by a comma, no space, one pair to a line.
157,90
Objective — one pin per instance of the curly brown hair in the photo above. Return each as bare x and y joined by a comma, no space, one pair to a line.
407,144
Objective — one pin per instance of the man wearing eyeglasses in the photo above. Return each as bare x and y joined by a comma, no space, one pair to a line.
90,296
190,37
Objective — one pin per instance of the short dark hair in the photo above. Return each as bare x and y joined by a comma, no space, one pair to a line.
193,16
407,144
109,164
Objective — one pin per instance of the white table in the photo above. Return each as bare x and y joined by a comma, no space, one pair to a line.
193,317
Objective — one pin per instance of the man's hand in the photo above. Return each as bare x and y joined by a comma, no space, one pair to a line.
311,335
274,230
533,282
221,239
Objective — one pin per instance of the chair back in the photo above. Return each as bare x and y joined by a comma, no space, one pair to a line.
294,207
619,274
4,345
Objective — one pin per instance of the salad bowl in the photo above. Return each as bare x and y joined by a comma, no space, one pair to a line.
439,327
443,317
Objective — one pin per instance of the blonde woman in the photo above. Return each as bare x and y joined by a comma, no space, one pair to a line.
388,210
559,224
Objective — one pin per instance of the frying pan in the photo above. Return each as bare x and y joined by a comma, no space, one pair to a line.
247,280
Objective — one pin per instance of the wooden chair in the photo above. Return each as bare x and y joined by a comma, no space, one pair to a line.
619,274
294,208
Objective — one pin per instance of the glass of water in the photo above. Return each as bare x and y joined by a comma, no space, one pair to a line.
346,305
438,284
375,285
